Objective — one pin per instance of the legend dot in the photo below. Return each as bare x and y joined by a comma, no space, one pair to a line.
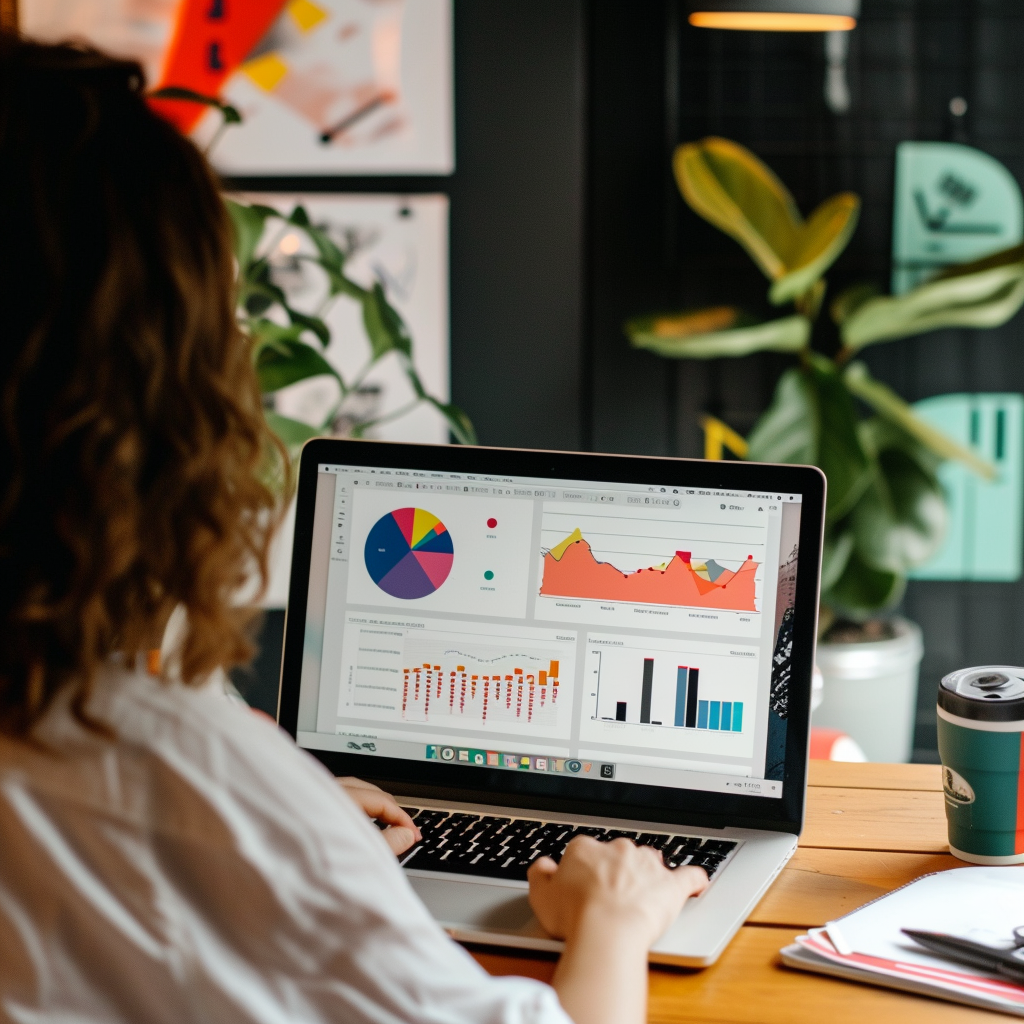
492,523
488,575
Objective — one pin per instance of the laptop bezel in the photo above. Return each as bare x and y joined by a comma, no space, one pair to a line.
533,791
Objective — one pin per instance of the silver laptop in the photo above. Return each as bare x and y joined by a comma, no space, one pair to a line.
526,646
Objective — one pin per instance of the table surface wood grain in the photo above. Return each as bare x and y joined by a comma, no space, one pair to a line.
870,829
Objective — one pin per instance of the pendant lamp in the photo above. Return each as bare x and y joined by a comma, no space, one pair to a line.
776,15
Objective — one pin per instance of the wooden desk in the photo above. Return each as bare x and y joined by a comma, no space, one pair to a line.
870,829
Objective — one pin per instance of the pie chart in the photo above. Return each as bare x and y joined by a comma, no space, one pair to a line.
409,553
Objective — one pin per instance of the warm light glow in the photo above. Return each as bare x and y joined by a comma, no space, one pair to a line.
770,21
290,244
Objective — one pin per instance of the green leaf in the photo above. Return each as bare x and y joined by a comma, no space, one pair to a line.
818,245
310,323
812,420
293,433
834,556
840,455
174,92
248,222
729,186
692,335
984,294
384,326
862,591
889,405
288,361
787,430
900,521
458,422
331,257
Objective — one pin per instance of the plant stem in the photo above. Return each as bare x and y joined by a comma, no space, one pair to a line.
388,417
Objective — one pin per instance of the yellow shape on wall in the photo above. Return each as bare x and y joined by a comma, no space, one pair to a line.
306,14
266,71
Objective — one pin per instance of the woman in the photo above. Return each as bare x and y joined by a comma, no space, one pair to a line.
166,855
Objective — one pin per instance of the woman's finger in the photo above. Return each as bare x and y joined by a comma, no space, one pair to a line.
400,839
379,805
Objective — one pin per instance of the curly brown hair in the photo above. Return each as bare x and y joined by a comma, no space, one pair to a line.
132,439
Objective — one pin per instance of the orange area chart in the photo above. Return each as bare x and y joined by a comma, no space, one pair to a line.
571,570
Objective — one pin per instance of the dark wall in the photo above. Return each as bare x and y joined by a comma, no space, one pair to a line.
517,220
565,221
657,81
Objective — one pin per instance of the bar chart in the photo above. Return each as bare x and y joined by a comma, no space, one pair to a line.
460,675
635,683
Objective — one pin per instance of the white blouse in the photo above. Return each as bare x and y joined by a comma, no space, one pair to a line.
200,867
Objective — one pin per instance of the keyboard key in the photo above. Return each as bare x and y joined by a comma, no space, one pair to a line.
613,833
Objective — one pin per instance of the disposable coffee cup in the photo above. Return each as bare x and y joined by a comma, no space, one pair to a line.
981,725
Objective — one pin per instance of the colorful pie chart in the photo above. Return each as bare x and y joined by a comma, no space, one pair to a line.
409,553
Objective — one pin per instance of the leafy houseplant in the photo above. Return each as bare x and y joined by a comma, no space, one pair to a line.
886,510
288,344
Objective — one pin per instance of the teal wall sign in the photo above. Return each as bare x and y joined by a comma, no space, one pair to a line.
953,204
986,519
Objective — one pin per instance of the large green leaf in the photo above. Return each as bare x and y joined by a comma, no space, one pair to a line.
983,294
248,221
384,326
693,334
459,423
835,555
900,521
730,187
812,419
841,456
293,433
890,406
289,361
819,244
787,430
862,591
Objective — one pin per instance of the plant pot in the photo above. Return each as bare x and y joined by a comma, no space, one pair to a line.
870,691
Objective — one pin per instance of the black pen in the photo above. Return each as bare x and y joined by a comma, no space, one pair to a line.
1006,962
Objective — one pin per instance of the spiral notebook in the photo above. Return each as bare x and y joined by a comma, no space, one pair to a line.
981,903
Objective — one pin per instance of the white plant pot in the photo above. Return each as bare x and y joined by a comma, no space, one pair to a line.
870,691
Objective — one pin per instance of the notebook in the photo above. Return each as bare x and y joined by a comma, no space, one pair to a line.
980,903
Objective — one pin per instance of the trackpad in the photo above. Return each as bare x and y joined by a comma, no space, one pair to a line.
492,908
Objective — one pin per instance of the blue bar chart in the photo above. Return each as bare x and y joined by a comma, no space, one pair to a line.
639,694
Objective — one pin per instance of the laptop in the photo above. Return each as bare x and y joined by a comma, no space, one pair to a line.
526,646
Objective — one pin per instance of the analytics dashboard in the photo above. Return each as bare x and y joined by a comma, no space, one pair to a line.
609,630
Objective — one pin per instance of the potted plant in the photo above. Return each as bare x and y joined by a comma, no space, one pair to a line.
886,510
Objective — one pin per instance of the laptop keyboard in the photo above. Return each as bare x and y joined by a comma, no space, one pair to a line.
493,847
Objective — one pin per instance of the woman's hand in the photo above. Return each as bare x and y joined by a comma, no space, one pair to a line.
610,902
625,885
401,832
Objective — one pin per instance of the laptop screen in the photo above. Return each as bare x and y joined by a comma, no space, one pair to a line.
573,628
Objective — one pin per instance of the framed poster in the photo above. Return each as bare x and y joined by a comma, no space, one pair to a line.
324,87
